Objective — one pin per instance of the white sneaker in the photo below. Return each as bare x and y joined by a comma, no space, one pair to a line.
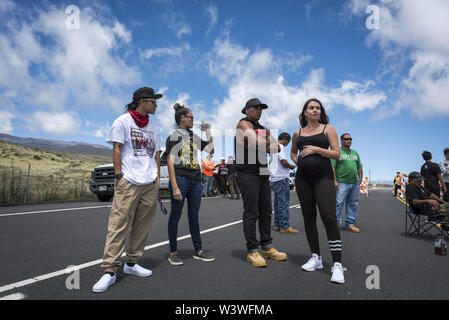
137,270
313,263
104,283
338,273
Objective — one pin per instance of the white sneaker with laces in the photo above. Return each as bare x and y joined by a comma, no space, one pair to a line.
104,283
137,270
338,273
313,263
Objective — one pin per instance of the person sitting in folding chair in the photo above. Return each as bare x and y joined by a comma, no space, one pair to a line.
424,202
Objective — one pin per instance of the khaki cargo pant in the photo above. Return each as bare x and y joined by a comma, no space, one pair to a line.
133,210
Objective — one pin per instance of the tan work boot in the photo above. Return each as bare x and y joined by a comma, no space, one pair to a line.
289,230
352,228
276,229
256,259
273,254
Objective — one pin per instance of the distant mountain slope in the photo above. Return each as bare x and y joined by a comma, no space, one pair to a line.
57,145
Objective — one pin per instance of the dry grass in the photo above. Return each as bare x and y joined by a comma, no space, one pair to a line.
54,175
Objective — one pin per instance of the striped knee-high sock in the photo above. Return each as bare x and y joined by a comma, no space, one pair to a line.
335,246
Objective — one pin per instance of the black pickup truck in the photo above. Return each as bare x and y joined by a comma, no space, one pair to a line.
101,182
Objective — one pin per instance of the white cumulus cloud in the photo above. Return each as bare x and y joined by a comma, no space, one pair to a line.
260,73
5,122
49,67
413,38
56,124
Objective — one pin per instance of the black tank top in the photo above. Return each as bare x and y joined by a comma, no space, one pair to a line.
246,158
315,166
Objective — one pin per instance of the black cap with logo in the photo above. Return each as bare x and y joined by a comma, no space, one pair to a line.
145,93
253,103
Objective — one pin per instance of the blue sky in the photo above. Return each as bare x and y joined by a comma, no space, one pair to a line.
388,86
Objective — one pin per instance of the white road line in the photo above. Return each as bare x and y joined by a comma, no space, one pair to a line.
14,296
51,211
99,261
71,209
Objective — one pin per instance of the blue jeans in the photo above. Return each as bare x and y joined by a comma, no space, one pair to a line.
350,193
190,190
281,203
207,185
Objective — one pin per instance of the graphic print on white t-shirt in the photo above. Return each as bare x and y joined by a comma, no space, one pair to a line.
139,148
142,144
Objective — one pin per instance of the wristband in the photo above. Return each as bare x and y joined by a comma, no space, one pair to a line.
118,176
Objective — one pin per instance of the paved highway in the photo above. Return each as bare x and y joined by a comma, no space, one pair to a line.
39,242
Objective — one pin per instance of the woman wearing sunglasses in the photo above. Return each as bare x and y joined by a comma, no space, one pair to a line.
182,147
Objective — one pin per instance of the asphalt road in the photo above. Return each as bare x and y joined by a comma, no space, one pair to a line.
43,240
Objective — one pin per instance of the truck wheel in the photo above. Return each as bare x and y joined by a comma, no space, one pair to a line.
104,197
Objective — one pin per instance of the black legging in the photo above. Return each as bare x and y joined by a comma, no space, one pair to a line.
323,194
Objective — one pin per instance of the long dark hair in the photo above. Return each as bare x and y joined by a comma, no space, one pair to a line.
179,112
324,119
132,106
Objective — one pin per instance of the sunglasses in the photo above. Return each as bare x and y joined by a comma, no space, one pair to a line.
347,139
191,117
154,101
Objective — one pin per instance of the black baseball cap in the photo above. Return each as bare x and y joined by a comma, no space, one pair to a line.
253,103
146,93
415,175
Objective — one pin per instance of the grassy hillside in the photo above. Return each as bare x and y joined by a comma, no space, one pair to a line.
54,175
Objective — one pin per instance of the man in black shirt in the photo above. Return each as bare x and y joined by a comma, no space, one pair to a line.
252,143
432,174
421,199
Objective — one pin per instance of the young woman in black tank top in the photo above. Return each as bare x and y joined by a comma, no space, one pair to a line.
315,182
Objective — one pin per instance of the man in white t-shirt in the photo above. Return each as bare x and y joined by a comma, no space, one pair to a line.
280,182
136,144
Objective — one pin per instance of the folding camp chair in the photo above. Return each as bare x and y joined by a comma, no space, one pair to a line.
421,224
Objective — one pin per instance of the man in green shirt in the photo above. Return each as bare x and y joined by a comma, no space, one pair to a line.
348,174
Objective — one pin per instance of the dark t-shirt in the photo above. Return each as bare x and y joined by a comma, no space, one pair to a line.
247,157
430,172
231,168
184,145
421,193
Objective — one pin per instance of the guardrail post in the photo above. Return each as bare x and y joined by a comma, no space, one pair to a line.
28,180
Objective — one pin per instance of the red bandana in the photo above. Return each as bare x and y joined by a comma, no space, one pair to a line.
140,120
